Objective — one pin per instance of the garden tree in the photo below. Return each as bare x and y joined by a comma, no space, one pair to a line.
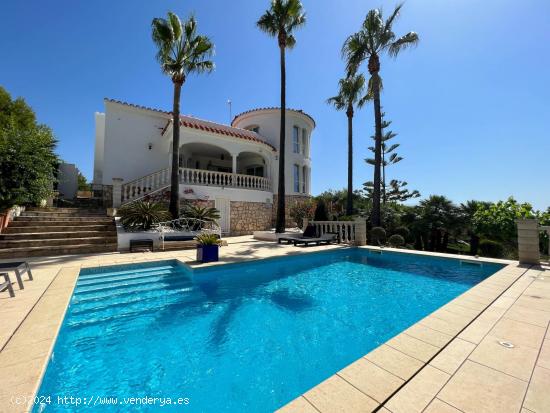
280,21
497,221
83,184
375,38
466,213
336,200
181,52
386,150
396,191
28,162
303,210
438,219
350,91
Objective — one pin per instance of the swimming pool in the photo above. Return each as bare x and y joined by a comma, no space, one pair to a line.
240,337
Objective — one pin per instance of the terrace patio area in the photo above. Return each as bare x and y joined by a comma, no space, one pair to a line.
458,358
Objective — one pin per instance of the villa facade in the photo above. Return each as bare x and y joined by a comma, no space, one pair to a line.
231,167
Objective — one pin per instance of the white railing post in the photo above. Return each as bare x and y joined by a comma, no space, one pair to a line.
117,192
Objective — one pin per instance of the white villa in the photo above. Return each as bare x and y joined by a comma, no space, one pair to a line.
234,168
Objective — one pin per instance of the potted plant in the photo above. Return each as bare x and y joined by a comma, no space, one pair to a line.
208,247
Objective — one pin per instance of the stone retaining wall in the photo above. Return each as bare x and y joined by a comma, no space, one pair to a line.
291,200
247,217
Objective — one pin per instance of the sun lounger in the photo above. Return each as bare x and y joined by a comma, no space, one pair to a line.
20,268
323,239
6,284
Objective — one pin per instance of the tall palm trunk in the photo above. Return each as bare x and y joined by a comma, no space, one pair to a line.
383,177
280,224
174,178
375,218
349,200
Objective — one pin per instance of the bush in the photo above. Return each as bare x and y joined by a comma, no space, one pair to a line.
321,213
302,210
492,249
396,240
142,215
378,235
403,231
204,213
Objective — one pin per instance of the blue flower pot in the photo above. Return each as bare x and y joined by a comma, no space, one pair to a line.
208,253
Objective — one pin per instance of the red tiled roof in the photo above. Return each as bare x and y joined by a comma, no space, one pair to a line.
273,108
212,127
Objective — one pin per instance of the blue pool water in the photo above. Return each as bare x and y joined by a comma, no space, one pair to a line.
239,338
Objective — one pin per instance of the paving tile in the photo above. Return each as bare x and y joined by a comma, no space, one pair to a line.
528,315
299,405
337,395
428,335
452,356
519,333
475,332
538,395
518,361
438,406
504,302
458,309
371,379
439,324
544,356
475,388
536,303
413,347
419,392
394,361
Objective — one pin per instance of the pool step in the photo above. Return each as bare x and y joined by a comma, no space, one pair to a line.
107,280
123,283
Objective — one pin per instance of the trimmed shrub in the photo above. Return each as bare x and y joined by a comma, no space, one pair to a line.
377,235
396,240
321,213
142,215
403,231
492,249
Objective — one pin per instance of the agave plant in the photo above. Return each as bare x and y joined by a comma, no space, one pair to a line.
205,213
142,215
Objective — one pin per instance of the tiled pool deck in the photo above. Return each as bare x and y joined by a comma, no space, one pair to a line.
451,361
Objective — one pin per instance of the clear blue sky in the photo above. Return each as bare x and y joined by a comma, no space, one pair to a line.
471,104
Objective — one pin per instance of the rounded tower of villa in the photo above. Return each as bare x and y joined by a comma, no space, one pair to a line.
299,127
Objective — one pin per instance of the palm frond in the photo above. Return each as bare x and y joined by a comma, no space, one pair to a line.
409,40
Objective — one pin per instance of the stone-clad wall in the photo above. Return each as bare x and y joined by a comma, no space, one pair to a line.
247,217
290,201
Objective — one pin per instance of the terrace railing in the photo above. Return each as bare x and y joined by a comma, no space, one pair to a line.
159,180
350,232
226,179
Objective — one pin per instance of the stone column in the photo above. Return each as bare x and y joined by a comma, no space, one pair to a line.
234,168
360,231
528,241
305,224
117,192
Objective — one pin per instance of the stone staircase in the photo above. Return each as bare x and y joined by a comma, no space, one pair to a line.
58,231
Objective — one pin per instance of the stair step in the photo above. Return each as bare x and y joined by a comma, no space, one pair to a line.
55,235
116,278
58,228
58,242
65,210
56,250
56,220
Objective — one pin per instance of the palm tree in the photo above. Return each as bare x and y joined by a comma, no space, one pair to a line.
280,21
373,39
181,52
349,94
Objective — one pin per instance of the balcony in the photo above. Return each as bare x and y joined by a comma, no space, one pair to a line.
203,177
